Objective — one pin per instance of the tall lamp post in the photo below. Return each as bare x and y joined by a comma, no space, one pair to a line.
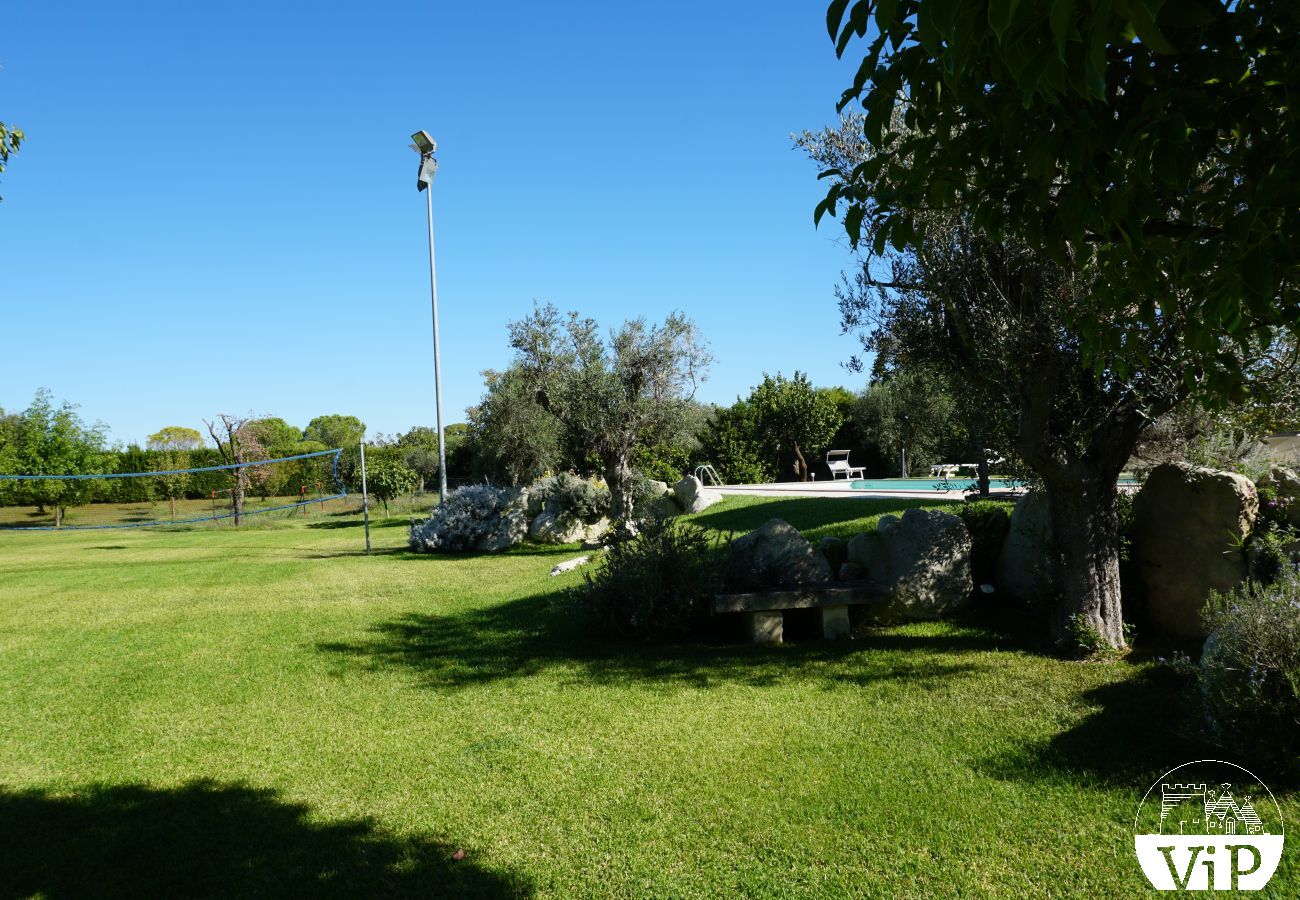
426,146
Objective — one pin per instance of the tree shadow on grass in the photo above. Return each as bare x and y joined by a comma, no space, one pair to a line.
1139,728
205,839
819,515
359,523
546,632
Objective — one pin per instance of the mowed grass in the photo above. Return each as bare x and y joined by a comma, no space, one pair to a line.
270,712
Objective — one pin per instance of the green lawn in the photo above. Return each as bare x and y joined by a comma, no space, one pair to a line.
269,712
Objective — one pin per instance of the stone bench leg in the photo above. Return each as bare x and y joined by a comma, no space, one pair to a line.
765,627
835,622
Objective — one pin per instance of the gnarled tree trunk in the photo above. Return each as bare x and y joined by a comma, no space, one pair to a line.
1085,532
618,476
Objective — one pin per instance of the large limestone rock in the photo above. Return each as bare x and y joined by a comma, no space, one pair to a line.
1024,571
512,527
692,496
1284,483
562,528
656,489
776,554
923,562
1188,526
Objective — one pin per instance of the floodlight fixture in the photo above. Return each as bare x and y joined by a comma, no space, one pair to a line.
424,144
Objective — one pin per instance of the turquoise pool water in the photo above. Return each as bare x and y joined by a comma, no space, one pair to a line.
964,483
928,484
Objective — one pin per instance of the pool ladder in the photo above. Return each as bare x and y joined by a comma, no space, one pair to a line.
707,474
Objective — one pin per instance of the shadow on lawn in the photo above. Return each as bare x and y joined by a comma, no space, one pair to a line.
545,632
212,840
1139,729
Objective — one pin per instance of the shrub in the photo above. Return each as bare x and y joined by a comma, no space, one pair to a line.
468,520
576,496
988,522
388,480
1249,673
1273,536
657,585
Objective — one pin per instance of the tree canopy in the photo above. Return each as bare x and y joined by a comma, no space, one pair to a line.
10,140
798,417
335,431
46,439
611,395
176,437
1155,142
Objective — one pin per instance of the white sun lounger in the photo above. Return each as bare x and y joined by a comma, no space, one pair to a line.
838,462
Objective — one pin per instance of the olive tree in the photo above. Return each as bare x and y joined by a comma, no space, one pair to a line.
1090,206
611,394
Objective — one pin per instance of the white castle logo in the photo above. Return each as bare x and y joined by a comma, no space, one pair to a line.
1208,835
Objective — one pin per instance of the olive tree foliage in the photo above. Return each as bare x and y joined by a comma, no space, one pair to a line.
1087,210
1151,144
799,418
513,438
911,414
611,394
10,140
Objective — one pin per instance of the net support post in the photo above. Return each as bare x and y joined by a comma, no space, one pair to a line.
365,497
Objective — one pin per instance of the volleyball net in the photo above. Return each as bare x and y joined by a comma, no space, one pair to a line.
224,494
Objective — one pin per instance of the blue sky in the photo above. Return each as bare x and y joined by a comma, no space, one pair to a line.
216,207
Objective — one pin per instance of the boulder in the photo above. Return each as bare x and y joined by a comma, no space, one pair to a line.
1284,484
562,528
511,528
692,496
515,498
1024,569
923,562
776,554
1188,527
860,549
657,489
834,549
851,572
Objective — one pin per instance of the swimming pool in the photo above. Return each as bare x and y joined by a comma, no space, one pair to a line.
965,483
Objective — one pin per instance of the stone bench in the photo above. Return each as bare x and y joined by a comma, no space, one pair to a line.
764,610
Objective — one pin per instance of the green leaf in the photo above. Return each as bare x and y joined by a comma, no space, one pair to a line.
1144,25
1186,14
1257,272
1000,13
1061,17
943,15
853,222
834,14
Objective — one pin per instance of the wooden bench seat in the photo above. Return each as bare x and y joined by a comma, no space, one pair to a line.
764,610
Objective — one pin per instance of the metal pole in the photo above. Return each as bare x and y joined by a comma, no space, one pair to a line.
437,358
365,496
